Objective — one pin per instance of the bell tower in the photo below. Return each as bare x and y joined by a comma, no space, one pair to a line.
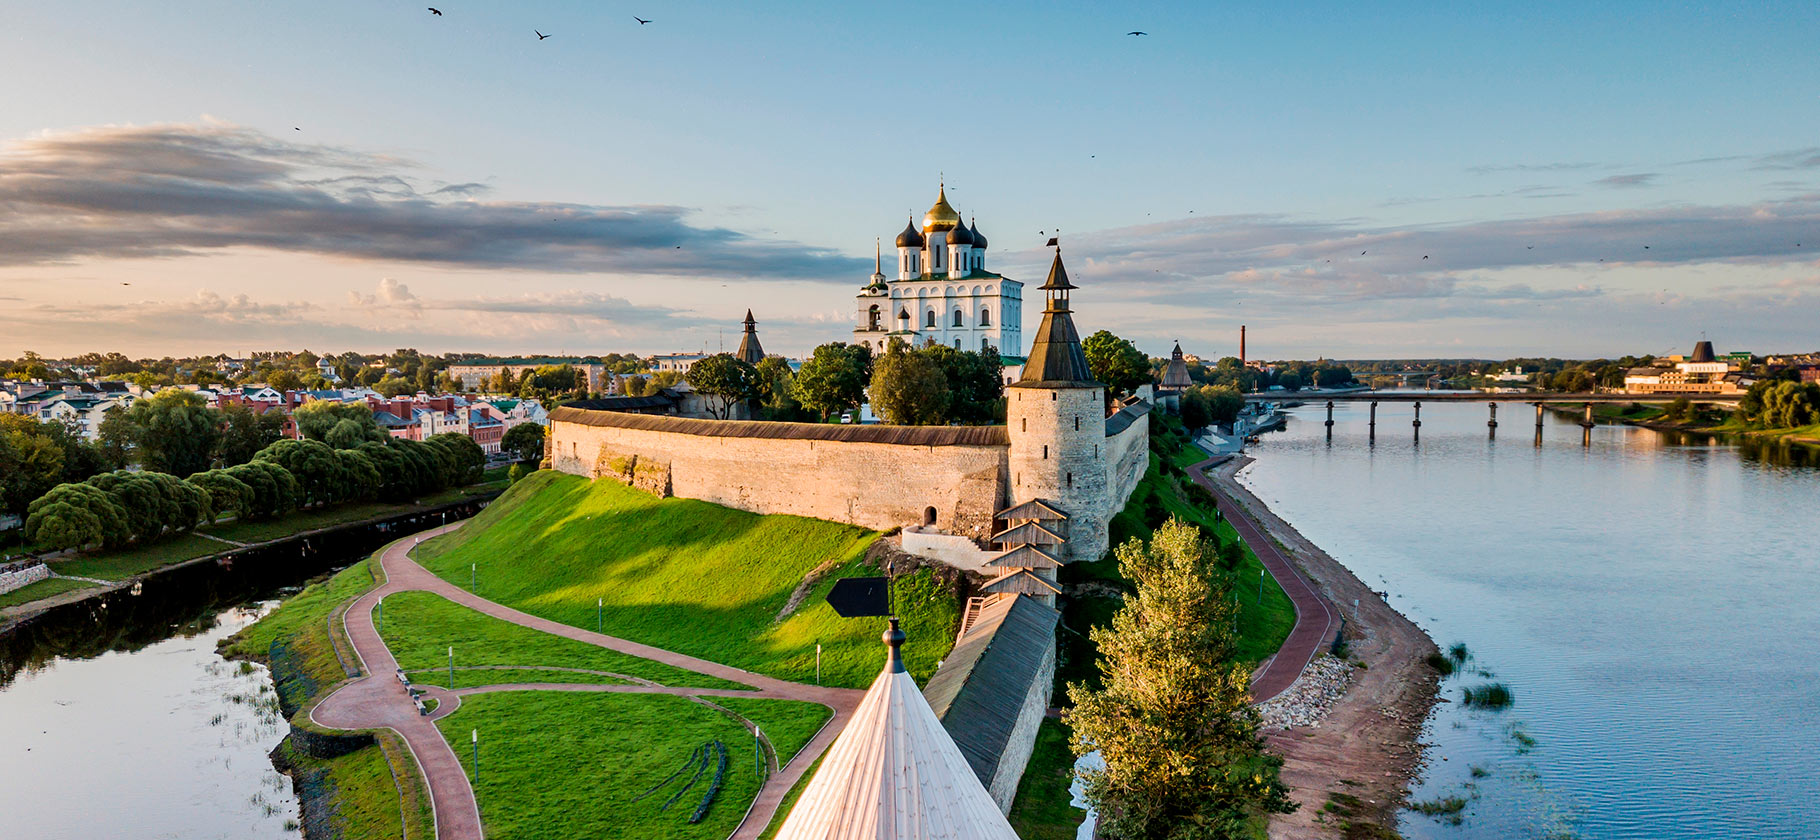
1057,418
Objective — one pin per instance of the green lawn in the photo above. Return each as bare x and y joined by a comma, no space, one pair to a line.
122,564
301,622
569,764
1041,810
262,530
42,589
472,677
687,576
788,723
419,627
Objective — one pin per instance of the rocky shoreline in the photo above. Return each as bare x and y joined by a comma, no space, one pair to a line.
1353,733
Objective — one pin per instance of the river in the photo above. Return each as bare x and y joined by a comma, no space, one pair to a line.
1649,599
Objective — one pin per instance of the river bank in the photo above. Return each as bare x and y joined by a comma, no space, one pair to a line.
1367,748
302,543
1806,435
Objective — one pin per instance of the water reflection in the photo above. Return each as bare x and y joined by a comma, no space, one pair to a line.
1648,597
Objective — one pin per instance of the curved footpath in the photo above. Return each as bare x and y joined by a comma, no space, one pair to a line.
1315,622
379,700
1368,744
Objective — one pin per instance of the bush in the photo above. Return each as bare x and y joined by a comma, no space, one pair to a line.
1488,696
517,472
1440,663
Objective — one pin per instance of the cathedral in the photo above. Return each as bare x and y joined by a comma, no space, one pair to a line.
942,293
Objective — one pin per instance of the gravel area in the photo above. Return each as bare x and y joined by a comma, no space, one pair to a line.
1308,700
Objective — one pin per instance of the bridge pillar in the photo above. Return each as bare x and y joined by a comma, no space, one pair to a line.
1538,418
1330,418
1416,424
1493,422
1586,427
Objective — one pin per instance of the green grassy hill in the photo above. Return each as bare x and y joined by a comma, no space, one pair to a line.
687,576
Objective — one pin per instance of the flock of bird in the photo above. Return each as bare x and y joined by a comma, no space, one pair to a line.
540,36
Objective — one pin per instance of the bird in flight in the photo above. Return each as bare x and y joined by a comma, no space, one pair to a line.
641,21
435,11
1136,32
1424,256
1530,247
295,128
1361,253
540,35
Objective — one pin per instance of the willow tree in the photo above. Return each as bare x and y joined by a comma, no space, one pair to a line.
1183,757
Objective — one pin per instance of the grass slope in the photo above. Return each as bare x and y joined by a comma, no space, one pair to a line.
1039,812
122,564
302,622
41,589
687,576
790,724
419,627
567,764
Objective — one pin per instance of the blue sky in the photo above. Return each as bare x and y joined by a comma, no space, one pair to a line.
1216,171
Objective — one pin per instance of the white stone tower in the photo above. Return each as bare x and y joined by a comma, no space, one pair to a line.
1057,420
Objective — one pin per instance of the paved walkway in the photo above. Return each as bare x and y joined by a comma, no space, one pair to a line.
1315,622
379,700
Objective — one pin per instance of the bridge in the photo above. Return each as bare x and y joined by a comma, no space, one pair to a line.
1480,396
1490,399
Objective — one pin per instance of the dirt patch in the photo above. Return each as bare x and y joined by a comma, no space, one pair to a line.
1367,748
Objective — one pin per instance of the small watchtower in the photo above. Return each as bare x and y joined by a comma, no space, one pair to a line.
1057,418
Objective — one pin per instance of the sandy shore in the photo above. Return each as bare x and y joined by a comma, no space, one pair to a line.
1368,746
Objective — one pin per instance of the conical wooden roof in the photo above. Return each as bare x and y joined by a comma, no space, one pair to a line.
895,774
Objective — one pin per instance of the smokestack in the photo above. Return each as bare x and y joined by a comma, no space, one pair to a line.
1241,345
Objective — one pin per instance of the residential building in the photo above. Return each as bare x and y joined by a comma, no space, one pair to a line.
1701,372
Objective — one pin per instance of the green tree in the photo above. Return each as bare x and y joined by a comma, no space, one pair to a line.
226,493
244,433
177,431
283,379
1194,409
724,381
275,490
74,516
1180,740
467,460
338,424
776,390
975,382
909,389
117,438
31,461
1290,381
1115,362
834,378
312,463
524,441
635,386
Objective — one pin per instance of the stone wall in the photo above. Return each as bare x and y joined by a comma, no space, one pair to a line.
1022,743
870,483
1127,457
16,575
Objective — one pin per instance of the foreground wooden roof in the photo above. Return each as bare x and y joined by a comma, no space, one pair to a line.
895,774
900,435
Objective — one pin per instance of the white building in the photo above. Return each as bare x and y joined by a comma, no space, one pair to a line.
942,293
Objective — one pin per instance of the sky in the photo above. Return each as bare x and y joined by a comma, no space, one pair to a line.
1348,180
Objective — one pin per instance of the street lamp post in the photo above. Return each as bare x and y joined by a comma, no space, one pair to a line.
451,667
1260,587
475,737
598,604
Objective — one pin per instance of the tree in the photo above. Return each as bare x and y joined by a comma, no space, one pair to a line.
177,432
313,465
323,420
776,392
909,389
31,461
1173,723
725,381
1115,362
283,379
635,386
76,515
274,488
1290,381
834,378
225,493
244,433
1194,409
975,382
467,459
524,441
116,438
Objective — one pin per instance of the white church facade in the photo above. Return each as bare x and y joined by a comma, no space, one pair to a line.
943,292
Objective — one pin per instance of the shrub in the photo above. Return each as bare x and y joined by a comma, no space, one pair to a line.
1488,696
1440,663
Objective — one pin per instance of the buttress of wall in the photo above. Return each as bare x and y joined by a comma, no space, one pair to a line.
873,485
1127,457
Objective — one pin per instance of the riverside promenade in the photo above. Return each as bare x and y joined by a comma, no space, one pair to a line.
1315,621
378,700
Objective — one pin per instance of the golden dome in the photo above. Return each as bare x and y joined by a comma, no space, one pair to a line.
942,215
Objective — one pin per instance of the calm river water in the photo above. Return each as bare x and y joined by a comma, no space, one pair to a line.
1653,602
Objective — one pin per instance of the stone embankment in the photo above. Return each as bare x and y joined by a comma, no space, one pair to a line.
1311,697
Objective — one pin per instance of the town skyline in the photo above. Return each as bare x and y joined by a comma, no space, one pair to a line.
445,184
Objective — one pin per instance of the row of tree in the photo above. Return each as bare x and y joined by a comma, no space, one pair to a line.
338,464
1208,405
1780,404
933,385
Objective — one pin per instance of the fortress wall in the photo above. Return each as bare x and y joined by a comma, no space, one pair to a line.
1127,456
872,484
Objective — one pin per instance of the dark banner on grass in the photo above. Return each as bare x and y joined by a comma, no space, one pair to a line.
856,597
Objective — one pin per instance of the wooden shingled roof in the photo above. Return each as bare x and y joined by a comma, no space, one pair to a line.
1025,557
985,680
1020,582
900,435
1028,533
1033,509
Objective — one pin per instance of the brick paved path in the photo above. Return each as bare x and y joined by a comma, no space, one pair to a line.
379,700
1315,622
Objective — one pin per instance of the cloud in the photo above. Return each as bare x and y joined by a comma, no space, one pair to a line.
1635,179
175,190
1808,158
1487,169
